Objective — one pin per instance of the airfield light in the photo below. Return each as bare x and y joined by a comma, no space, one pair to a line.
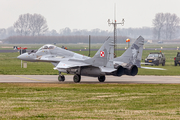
115,34
128,41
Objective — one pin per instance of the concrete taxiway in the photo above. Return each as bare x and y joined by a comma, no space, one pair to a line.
84,79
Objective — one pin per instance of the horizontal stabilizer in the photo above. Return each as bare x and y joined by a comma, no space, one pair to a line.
107,70
153,68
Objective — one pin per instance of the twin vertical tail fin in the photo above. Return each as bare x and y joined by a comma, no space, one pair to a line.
103,55
133,54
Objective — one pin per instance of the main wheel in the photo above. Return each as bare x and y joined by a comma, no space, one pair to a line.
163,64
61,78
101,78
175,64
77,78
157,64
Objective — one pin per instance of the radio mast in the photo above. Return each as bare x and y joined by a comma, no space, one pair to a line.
115,25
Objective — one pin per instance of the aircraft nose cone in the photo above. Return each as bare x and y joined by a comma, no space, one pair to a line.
22,56
19,57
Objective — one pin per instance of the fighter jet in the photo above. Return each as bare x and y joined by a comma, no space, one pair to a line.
103,63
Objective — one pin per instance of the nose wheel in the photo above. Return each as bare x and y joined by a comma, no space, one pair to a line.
61,78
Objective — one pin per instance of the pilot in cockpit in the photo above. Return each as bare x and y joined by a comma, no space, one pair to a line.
47,47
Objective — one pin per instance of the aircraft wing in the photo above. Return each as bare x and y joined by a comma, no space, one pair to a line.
48,58
142,63
70,64
153,68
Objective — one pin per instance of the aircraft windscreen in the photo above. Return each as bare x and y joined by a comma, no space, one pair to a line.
47,47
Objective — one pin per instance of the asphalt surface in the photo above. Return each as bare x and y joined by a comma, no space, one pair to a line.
84,79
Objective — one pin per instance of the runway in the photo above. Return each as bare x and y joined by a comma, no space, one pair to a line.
84,79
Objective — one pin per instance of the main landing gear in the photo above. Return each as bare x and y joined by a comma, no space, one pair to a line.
77,78
61,78
101,78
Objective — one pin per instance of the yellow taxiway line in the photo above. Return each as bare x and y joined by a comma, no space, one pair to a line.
29,78
176,76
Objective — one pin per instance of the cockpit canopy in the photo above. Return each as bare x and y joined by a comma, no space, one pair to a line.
47,46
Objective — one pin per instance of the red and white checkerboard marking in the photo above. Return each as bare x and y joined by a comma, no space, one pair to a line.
102,54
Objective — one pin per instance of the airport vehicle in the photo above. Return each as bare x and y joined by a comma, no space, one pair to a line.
103,63
155,58
177,59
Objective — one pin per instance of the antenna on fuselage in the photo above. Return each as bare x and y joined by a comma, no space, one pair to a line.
115,25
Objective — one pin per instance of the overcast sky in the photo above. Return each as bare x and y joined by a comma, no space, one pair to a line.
87,14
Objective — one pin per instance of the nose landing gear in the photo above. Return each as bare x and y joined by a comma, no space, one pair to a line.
61,78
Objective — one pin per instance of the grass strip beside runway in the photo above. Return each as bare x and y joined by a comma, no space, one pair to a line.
89,101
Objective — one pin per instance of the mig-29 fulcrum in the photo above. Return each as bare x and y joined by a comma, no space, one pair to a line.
103,63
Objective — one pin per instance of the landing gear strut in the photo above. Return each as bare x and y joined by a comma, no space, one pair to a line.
61,78
101,78
77,78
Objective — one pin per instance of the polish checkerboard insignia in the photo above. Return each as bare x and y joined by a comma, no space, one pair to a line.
102,54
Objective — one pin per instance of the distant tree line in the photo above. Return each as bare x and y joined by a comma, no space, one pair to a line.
146,32
59,39
129,32
5,33
165,27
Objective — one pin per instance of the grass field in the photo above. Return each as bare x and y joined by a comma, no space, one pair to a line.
85,46
10,65
89,101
